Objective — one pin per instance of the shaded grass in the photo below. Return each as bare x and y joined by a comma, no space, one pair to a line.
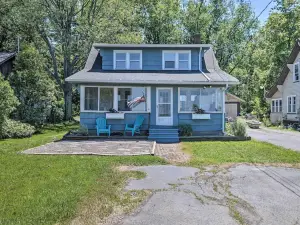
37,189
204,153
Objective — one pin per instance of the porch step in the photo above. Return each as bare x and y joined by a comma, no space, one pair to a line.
164,135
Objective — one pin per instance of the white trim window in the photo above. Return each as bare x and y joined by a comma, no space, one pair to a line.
176,60
208,99
98,98
127,59
276,105
291,104
104,98
296,76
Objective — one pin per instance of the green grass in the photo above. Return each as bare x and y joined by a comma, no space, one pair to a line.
56,189
204,153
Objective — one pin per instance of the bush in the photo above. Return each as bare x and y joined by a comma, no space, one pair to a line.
35,90
16,129
185,130
267,122
8,101
81,131
237,128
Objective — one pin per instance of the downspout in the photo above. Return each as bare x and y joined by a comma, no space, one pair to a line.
223,114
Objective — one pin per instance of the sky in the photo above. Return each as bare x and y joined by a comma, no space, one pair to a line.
259,5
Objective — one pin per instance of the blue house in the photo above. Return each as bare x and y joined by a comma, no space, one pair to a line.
169,78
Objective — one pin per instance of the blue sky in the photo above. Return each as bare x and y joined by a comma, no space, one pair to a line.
259,5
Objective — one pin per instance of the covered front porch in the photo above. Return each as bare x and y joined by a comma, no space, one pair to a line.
164,109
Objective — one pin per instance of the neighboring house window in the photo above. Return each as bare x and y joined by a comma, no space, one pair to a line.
209,99
98,98
296,71
132,94
291,104
276,105
128,60
176,60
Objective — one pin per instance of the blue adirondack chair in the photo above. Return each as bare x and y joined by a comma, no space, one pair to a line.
135,128
102,127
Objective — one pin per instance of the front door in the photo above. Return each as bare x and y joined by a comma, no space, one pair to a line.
164,110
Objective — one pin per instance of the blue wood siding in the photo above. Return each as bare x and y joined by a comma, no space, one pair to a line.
212,125
89,119
152,58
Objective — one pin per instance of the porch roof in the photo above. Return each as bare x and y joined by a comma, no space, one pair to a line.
152,77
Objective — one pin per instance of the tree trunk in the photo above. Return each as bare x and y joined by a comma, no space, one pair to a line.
68,101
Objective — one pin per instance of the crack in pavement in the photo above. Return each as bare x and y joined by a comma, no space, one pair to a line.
236,195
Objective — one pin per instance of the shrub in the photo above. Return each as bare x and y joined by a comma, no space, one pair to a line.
8,100
185,130
266,121
16,129
81,131
238,128
35,90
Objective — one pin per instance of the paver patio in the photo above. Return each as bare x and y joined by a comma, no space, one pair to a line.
95,147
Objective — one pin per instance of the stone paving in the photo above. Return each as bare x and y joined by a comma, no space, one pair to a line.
172,153
95,147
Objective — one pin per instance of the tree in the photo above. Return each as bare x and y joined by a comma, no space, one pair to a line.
160,21
35,90
8,101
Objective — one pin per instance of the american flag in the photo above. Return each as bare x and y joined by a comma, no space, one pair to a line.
136,101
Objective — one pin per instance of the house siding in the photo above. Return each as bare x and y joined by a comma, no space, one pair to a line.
200,127
276,117
151,58
291,88
89,119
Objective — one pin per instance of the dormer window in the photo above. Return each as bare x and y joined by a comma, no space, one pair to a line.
296,72
127,60
176,60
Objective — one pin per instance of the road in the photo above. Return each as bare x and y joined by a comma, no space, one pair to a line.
242,194
286,139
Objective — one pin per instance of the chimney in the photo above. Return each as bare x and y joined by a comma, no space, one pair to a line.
196,39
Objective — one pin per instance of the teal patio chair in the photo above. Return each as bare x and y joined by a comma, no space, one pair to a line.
135,128
102,127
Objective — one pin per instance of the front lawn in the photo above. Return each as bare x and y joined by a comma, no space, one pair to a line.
204,153
56,189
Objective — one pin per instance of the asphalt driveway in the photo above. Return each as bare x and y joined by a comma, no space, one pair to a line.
238,195
286,139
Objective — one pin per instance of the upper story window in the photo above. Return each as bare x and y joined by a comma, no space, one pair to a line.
291,104
276,105
296,71
176,60
127,60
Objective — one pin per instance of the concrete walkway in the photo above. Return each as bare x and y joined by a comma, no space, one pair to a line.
286,139
95,147
239,195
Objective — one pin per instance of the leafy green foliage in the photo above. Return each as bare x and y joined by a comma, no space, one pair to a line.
8,101
185,130
16,129
237,128
34,88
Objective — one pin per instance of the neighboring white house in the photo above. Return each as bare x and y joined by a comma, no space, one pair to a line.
284,97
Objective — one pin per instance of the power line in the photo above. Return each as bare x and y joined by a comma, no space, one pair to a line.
251,38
